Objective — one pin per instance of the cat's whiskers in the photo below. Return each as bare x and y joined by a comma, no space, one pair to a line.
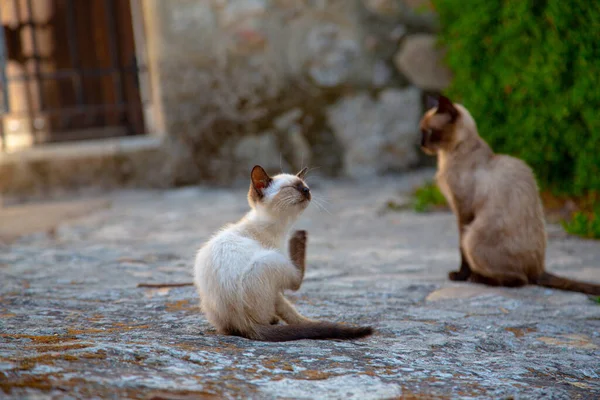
320,204
284,203
280,163
310,170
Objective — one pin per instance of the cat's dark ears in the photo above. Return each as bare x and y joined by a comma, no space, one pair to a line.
432,102
260,179
302,173
444,106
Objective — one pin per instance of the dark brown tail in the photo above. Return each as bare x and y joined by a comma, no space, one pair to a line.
317,330
556,282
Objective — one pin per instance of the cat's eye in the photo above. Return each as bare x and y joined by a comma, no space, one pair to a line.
302,188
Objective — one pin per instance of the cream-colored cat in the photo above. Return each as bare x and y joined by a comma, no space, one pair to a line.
242,271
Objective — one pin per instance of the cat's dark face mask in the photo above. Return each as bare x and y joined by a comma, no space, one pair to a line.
436,126
430,140
282,193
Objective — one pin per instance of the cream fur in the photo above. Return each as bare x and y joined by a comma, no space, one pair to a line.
242,271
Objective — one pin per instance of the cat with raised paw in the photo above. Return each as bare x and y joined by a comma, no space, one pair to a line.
496,201
242,271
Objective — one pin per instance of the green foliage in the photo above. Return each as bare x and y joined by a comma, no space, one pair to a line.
428,197
529,72
584,224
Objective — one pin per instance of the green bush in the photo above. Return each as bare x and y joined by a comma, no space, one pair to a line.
529,72
428,197
584,224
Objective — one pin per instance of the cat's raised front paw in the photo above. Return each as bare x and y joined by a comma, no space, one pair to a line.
298,239
298,249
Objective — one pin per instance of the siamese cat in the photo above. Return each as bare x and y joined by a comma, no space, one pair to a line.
241,273
496,202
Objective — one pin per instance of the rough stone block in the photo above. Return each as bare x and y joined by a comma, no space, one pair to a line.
377,134
421,61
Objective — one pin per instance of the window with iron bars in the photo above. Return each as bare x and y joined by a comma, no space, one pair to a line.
69,70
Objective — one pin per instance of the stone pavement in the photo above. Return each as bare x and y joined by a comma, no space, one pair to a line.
74,324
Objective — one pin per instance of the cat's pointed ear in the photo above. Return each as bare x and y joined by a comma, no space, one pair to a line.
260,179
431,102
445,106
302,173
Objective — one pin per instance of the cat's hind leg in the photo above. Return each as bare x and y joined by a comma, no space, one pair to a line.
268,274
287,312
491,260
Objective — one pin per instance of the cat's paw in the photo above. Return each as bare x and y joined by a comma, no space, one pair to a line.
298,239
297,248
456,276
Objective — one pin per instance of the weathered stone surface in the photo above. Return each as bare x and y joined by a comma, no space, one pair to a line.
383,8
418,4
334,50
17,221
260,147
422,62
387,8
74,324
418,14
236,68
460,292
378,135
577,341
382,74
295,149
222,70
257,60
51,170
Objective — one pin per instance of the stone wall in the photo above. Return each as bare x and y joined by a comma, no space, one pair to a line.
333,84
336,84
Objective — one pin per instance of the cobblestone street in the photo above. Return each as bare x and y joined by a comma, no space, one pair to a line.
74,323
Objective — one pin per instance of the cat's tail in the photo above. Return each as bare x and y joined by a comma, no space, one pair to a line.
557,282
311,330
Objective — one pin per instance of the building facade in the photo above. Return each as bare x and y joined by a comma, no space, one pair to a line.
174,92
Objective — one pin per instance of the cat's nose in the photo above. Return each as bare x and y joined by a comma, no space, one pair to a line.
306,192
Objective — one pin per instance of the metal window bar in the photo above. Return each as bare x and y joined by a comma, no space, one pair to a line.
112,46
73,53
36,53
4,82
